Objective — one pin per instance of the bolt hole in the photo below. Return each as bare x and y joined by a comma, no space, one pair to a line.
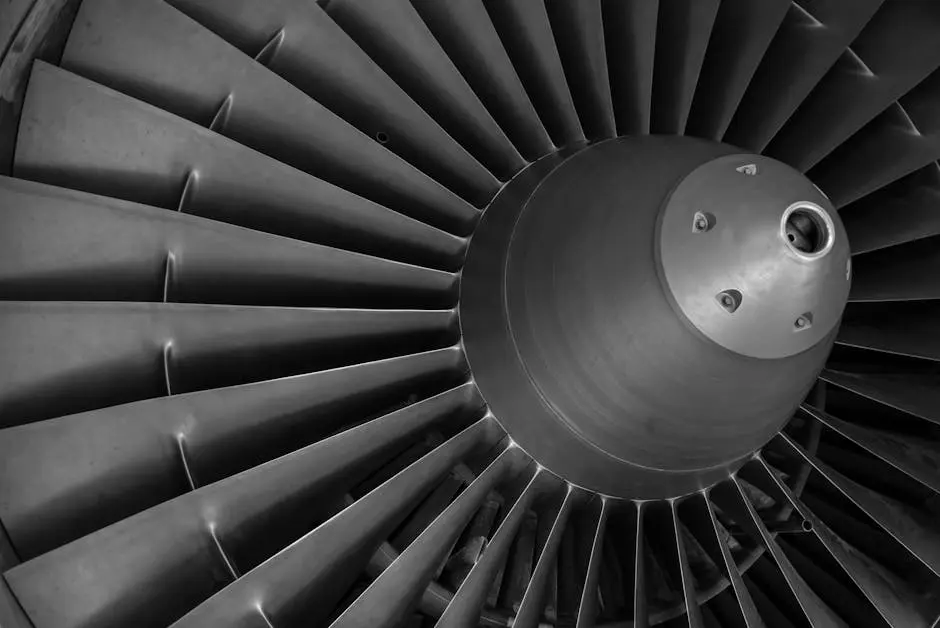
702,222
803,321
807,230
382,137
730,300
807,525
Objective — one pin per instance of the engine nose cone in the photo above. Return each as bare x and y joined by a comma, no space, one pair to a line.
651,311
754,256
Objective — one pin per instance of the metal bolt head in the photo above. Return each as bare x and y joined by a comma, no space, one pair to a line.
730,300
702,222
804,321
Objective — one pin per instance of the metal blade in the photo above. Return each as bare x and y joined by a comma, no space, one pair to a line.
111,575
527,36
306,578
464,609
900,273
682,35
390,596
431,507
909,455
901,140
640,606
587,606
11,613
910,529
68,357
714,542
393,34
900,212
630,36
533,602
807,44
466,33
841,596
16,13
898,328
316,56
897,49
150,51
67,477
916,395
893,599
741,35
143,154
817,613
85,247
692,610
769,610
579,36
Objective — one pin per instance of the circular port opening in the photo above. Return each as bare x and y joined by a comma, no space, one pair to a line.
807,229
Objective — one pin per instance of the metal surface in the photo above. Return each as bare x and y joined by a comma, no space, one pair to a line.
693,611
466,33
533,602
311,565
903,139
746,606
526,33
127,46
815,610
579,36
686,25
568,361
470,597
905,329
117,348
909,455
127,551
749,249
247,402
388,599
807,44
891,596
319,58
104,465
901,212
916,395
895,51
59,244
393,34
587,605
630,37
82,135
742,33
914,533
900,273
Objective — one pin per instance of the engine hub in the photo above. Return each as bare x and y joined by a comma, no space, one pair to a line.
644,314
